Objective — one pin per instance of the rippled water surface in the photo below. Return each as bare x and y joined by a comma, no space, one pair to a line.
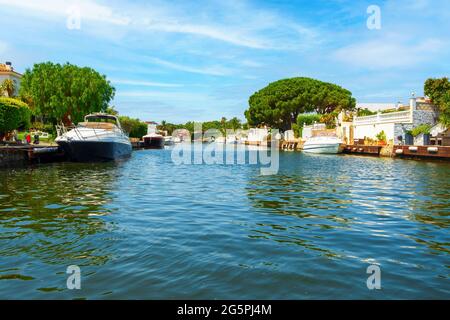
147,228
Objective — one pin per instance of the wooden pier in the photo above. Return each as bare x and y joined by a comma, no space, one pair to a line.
17,155
424,152
362,149
291,145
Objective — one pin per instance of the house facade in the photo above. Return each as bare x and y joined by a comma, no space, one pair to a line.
257,135
396,124
7,72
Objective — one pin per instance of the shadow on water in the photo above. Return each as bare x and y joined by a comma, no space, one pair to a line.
49,216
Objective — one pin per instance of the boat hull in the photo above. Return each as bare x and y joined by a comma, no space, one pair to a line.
153,142
88,151
323,148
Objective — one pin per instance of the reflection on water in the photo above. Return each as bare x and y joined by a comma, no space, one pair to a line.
48,214
146,228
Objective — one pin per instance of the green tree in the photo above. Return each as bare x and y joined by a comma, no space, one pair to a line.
65,92
279,103
439,92
14,114
8,86
112,110
134,127
329,119
234,123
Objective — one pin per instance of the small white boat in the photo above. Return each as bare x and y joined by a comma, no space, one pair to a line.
219,139
168,140
231,139
323,144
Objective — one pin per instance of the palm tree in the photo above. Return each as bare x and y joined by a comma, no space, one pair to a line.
223,125
235,123
8,86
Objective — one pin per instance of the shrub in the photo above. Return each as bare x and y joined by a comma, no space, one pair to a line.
423,128
381,136
297,130
134,127
365,112
329,119
14,114
306,119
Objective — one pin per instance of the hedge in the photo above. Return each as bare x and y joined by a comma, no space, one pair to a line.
14,114
134,127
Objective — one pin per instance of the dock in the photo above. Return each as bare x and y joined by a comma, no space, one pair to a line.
362,149
17,155
423,152
291,145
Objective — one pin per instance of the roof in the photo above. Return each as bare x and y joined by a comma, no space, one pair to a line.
4,68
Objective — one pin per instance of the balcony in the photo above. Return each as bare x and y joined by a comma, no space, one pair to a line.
391,117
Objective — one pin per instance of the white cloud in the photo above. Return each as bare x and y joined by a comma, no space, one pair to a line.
240,25
211,70
388,53
89,10
209,31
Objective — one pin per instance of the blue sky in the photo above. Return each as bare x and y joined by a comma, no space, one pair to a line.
200,60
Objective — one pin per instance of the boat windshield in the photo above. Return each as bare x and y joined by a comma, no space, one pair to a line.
100,121
100,118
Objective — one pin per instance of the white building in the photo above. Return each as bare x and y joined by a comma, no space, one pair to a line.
289,135
151,127
7,72
395,124
257,135
308,131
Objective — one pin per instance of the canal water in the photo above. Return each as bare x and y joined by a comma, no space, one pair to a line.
147,228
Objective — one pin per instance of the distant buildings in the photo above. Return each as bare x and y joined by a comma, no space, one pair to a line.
257,136
7,72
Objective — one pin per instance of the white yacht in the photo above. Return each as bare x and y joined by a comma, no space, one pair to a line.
323,144
99,138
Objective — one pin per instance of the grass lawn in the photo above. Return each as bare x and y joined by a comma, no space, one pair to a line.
22,135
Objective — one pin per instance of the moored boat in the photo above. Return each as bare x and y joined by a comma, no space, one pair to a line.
99,138
323,144
168,140
153,140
